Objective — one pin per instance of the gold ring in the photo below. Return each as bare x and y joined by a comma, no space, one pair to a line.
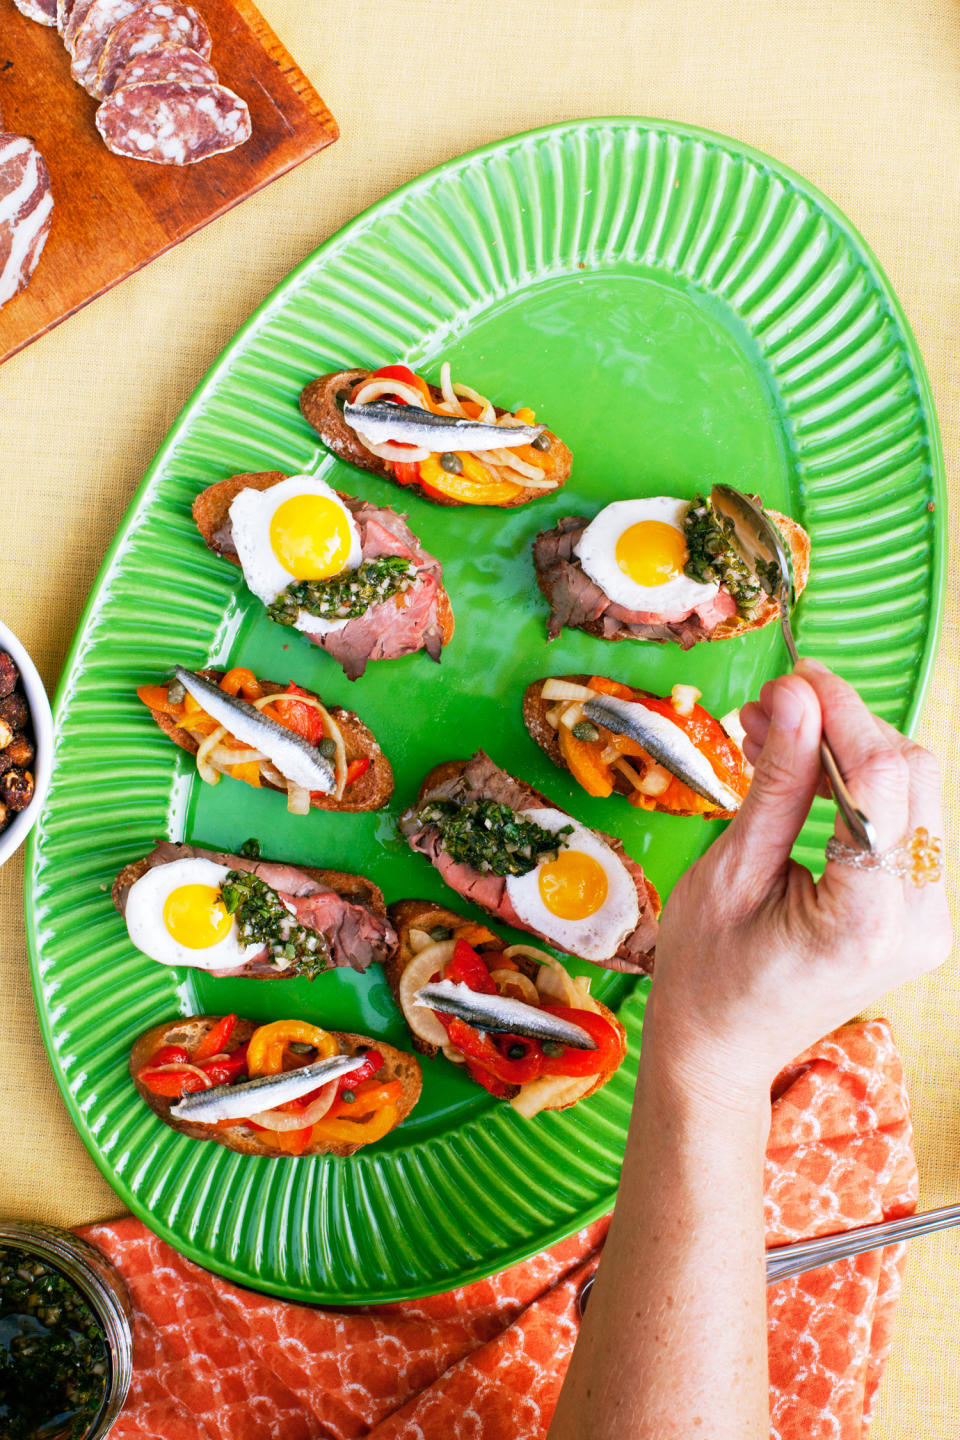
918,857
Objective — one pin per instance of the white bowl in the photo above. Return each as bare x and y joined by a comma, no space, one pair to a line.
41,721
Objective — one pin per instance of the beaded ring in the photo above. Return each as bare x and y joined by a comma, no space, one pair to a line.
918,857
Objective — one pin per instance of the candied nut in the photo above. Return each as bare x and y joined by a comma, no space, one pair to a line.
20,751
9,675
6,734
16,789
4,816
14,710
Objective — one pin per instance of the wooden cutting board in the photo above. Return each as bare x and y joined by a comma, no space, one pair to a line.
113,215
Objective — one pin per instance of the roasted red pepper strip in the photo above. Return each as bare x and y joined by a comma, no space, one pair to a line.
406,472
170,1055
395,372
372,1062
605,1058
487,1080
215,1040
356,768
303,720
466,967
231,1067
485,1052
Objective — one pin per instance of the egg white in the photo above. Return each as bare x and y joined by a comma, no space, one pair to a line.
598,936
596,551
144,917
251,513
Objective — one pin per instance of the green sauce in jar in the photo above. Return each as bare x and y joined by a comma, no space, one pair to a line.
54,1362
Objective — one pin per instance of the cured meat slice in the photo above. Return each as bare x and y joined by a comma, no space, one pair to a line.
156,23
172,123
26,209
43,11
92,34
167,62
73,13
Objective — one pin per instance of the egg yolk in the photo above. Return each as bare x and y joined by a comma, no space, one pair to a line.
310,536
652,552
573,886
196,916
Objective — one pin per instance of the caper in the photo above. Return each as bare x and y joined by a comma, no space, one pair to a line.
441,932
348,1096
176,692
451,463
328,747
552,1048
299,1048
516,1052
585,730
542,442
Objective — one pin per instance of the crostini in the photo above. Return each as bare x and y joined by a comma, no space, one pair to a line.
279,737
287,1088
351,576
461,988
662,754
445,442
498,842
239,915
657,569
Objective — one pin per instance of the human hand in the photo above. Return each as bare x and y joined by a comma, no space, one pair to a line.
754,960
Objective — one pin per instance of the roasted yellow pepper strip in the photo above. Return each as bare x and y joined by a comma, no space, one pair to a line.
269,1042
356,1132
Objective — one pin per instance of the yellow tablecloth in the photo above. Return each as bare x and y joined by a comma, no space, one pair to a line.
864,100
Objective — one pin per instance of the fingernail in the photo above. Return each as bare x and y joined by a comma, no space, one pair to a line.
787,709
813,666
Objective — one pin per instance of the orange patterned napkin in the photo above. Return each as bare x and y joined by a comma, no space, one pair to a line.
213,1362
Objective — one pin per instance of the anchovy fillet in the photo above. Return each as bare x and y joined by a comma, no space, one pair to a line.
664,742
382,420
500,1015
297,760
266,1092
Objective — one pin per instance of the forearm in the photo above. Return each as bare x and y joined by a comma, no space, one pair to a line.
673,1343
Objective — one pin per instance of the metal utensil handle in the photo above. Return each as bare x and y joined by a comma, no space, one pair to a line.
782,1261
785,1260
857,823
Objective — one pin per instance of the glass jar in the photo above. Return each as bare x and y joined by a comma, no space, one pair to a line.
100,1285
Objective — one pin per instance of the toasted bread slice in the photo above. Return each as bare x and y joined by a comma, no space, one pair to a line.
322,404
535,718
407,915
355,888
648,897
370,792
188,1032
211,511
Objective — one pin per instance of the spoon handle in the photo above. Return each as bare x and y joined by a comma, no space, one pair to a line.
857,823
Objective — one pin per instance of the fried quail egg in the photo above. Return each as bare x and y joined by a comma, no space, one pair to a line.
635,550
584,901
299,529
174,914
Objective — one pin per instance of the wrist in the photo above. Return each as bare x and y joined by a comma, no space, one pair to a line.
701,1074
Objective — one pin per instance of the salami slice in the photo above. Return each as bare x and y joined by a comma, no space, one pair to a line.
156,23
74,12
43,11
92,35
26,209
172,123
167,62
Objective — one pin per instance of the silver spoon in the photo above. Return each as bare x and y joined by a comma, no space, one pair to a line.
794,1259
759,545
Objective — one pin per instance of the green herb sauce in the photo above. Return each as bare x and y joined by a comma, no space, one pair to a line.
346,596
54,1364
490,837
713,559
263,919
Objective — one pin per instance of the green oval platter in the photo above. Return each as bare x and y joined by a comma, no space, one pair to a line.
682,310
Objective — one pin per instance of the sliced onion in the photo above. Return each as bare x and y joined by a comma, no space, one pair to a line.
684,697
223,755
373,390
395,450
572,715
487,411
550,1092
557,689
181,1068
654,782
553,716
281,1120
451,1054
610,755
506,980
208,772
448,392
421,1020
554,982
298,799
419,939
